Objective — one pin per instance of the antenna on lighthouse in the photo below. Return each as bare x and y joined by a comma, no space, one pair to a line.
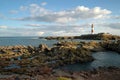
92,29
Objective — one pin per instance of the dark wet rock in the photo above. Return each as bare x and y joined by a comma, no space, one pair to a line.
2,51
43,47
112,45
66,54
103,73
61,73
31,49
17,78
67,44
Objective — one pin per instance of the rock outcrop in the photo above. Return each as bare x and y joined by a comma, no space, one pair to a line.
112,45
99,36
102,73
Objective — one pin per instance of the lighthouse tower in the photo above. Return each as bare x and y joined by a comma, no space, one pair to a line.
92,29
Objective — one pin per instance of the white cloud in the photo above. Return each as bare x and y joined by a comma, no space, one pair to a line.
54,21
39,33
114,25
36,10
59,25
13,11
34,25
43,3
82,8
13,31
3,27
76,29
59,29
31,33
115,17
38,13
23,8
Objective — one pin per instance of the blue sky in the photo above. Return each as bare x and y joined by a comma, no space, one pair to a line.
58,17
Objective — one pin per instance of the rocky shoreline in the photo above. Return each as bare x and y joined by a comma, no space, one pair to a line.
41,62
102,73
99,36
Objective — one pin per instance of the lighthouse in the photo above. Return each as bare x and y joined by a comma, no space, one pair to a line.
92,29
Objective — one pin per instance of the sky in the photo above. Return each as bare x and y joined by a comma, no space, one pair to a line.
58,17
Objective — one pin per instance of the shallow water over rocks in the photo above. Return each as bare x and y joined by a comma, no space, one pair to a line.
102,59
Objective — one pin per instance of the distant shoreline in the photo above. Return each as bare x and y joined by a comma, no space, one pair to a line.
99,36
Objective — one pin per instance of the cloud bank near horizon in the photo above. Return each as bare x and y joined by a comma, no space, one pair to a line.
41,14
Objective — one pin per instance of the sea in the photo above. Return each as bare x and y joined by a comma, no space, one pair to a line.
34,41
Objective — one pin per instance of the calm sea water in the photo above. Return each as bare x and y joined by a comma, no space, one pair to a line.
101,59
34,41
